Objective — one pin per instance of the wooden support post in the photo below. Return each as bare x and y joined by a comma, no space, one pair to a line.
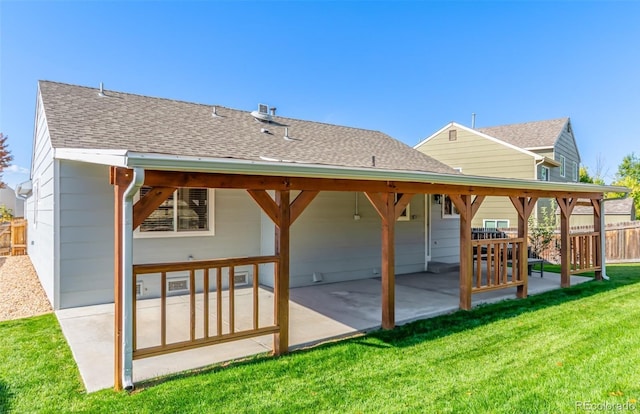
524,206
388,262
465,207
385,205
119,187
598,252
566,208
281,292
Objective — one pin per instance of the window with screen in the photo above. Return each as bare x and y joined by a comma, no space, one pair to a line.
185,211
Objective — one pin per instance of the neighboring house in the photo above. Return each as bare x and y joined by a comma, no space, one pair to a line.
10,201
71,214
615,211
542,150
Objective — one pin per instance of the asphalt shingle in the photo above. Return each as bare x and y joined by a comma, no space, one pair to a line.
78,118
537,134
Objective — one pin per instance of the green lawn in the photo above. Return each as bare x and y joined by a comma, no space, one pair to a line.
548,353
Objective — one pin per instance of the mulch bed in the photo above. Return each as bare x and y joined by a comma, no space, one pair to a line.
21,294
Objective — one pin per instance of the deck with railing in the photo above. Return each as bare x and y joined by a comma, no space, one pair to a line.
210,316
497,264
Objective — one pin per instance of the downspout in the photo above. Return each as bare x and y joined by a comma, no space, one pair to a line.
127,272
603,242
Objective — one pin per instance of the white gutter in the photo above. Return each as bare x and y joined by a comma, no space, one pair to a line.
603,242
300,169
127,272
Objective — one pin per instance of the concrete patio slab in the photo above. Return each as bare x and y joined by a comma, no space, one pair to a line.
317,313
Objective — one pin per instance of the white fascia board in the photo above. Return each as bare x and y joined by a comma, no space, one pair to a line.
537,157
293,169
115,158
548,147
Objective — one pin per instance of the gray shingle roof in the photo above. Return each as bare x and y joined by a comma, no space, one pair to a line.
614,207
529,134
78,118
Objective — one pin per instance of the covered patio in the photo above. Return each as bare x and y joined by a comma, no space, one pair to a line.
505,269
317,314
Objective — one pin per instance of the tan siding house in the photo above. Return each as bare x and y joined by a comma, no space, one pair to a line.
543,150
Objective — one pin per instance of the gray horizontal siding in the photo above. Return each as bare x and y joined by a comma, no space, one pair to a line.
326,239
40,208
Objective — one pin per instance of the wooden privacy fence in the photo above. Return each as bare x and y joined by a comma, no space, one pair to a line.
500,256
189,326
622,242
13,237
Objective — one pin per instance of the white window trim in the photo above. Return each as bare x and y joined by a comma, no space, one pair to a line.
137,234
484,223
453,215
576,171
563,166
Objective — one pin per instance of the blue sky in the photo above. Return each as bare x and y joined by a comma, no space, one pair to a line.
404,68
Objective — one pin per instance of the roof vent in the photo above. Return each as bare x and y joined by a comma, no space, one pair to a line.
101,93
286,134
262,114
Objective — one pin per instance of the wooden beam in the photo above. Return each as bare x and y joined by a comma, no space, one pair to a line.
402,204
149,203
388,261
281,291
268,205
378,203
460,201
300,203
155,178
477,202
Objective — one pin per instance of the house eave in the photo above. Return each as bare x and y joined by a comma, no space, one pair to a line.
164,162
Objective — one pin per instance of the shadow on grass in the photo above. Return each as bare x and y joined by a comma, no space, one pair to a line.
5,398
429,329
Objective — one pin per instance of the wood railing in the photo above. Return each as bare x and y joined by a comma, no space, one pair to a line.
496,264
585,248
207,329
